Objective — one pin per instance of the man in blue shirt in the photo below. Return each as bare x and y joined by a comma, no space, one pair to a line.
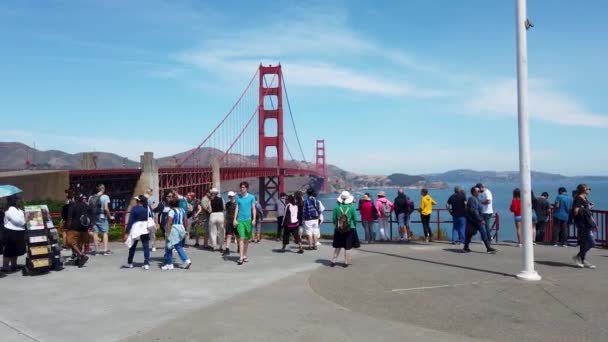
244,219
561,212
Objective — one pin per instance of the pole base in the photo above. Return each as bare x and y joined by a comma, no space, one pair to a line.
529,275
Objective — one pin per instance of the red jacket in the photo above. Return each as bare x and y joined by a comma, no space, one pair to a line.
516,207
366,211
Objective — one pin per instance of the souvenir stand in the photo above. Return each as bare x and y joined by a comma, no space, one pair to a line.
42,254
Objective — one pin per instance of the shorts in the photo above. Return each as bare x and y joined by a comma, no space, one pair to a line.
76,238
311,227
244,229
403,219
517,218
230,228
102,225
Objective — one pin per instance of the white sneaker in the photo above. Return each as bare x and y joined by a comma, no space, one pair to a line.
187,264
318,243
153,249
556,245
519,245
129,265
577,261
588,264
167,267
146,267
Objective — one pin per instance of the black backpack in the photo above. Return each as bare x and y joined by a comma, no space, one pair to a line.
95,208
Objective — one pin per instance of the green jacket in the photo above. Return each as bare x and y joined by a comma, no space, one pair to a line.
351,214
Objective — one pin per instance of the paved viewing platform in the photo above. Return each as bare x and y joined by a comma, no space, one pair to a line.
392,292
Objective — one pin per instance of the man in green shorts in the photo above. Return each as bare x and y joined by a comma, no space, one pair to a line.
244,219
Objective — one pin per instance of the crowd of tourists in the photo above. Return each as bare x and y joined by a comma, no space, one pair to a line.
299,217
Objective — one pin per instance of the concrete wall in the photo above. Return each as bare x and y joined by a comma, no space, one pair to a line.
38,184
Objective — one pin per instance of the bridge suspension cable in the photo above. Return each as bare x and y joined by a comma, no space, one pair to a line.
255,112
183,161
292,120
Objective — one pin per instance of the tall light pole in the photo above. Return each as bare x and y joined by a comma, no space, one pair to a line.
522,26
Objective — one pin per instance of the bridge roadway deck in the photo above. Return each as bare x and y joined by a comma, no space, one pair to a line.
391,293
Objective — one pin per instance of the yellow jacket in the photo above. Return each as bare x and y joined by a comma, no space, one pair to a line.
426,205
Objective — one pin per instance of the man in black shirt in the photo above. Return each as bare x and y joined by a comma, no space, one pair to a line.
79,223
457,207
542,212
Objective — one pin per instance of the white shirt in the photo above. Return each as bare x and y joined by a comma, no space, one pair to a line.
321,210
14,219
486,208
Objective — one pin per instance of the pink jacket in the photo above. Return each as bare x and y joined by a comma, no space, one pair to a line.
379,202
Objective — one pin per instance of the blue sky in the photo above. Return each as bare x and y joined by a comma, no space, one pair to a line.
413,86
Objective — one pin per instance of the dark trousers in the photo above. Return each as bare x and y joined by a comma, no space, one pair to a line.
291,231
540,231
426,219
472,229
145,241
487,226
586,241
279,226
560,231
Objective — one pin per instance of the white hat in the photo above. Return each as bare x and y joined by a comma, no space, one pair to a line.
231,194
214,191
346,197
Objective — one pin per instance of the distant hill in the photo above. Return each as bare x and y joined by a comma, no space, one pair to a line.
400,179
465,175
13,155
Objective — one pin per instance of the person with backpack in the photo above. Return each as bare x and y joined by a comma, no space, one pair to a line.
78,222
291,224
385,210
99,207
345,233
367,210
137,230
176,233
311,218
230,227
426,209
402,212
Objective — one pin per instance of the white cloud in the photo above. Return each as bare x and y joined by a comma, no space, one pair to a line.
500,98
315,47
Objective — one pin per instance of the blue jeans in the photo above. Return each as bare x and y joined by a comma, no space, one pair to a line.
586,241
180,250
145,241
458,228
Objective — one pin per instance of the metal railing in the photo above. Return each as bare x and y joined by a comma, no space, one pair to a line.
441,221
601,236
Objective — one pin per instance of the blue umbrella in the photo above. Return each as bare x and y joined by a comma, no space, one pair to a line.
8,190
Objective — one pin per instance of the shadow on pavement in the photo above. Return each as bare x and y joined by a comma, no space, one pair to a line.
440,263
324,262
554,264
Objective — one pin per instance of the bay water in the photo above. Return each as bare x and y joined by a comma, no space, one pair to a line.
501,192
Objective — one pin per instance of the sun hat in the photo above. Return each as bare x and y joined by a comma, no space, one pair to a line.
214,191
231,194
346,197
381,194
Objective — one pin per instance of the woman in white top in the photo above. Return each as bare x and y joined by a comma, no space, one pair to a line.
13,236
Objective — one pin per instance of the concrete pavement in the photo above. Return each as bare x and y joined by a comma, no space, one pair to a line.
392,292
